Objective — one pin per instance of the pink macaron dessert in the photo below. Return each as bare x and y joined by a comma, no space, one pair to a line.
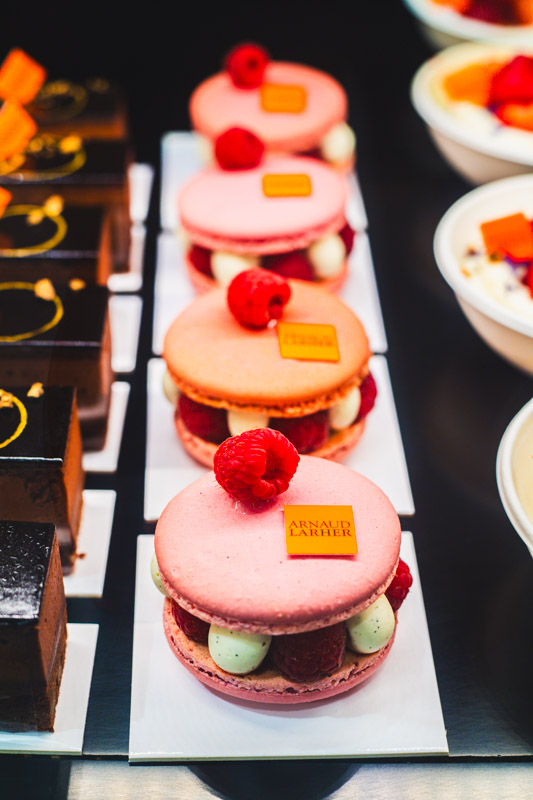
283,213
226,372
250,620
290,107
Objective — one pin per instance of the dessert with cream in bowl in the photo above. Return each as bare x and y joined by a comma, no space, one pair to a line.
477,101
292,108
484,249
448,22
281,212
514,473
269,352
258,608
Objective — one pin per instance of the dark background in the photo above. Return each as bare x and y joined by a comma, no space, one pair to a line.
454,396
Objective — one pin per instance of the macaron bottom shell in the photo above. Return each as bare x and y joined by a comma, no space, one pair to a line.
266,684
203,283
337,446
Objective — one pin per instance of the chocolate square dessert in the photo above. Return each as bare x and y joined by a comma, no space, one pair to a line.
41,473
33,626
83,171
61,242
94,108
59,335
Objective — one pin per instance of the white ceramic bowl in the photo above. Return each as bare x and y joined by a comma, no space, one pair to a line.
508,333
443,27
470,137
506,466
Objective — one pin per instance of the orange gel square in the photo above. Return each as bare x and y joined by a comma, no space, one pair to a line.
286,185
509,236
307,341
20,77
16,129
5,199
320,531
284,98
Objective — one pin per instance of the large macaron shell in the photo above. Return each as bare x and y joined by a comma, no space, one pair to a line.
336,447
213,358
227,209
217,104
268,685
203,283
229,565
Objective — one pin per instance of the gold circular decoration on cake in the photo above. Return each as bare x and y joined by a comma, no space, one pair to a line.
30,287
51,145
49,105
32,212
22,422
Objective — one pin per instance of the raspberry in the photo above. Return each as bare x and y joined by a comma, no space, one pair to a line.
496,11
513,83
369,392
204,421
196,629
291,265
246,65
238,148
399,586
309,656
256,296
200,258
347,235
530,279
306,433
257,465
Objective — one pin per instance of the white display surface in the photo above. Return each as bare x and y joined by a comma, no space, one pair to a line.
174,717
106,460
379,454
125,320
181,158
88,577
174,291
67,738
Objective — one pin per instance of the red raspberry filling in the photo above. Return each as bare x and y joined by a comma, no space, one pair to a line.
399,587
246,65
237,149
290,265
309,656
257,296
347,235
257,465
196,629
200,258
204,421
306,433
369,392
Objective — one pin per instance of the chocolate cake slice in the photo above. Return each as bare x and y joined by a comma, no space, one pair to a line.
59,335
41,473
33,626
61,242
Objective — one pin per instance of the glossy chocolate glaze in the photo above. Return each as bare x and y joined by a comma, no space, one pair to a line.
25,553
61,101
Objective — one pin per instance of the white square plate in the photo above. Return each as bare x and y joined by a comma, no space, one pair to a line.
67,738
181,158
174,292
174,717
88,577
106,460
379,454
125,319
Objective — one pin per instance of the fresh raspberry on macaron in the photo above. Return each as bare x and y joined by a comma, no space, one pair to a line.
238,148
204,421
399,587
255,466
310,656
291,265
306,433
256,296
193,627
246,65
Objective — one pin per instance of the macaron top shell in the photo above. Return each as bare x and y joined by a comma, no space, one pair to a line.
228,210
216,360
217,104
229,565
